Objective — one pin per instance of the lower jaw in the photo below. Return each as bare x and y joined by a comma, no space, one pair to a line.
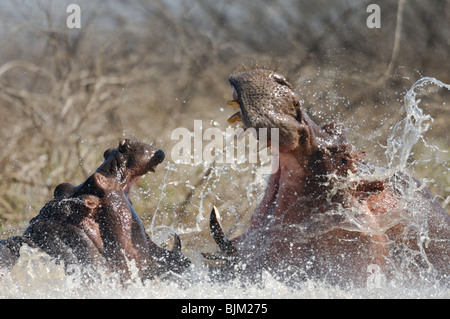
269,202
129,185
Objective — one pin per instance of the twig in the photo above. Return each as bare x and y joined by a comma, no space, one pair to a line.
397,40
182,206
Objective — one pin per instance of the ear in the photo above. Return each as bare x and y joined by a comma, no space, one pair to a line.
108,152
281,80
91,201
63,190
123,145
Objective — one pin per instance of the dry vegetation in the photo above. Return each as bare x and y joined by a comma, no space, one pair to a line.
143,68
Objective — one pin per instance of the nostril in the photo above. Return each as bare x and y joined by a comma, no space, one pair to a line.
159,156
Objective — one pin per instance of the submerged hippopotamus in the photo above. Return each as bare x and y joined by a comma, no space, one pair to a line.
95,223
324,214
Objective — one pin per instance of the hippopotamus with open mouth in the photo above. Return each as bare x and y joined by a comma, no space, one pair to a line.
95,223
323,216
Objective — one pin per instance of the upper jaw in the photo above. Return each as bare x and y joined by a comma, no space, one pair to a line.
246,123
236,117
243,117
155,160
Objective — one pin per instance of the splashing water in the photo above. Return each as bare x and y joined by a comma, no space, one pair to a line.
404,136
36,275
407,132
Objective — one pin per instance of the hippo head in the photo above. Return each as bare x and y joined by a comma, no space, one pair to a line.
309,156
117,232
129,161
267,100
125,164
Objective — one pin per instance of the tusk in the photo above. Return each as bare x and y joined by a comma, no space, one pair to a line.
233,103
235,118
220,238
176,243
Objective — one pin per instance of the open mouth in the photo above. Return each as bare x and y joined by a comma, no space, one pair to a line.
236,117
134,179
129,185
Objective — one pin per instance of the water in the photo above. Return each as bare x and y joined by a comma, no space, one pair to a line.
409,131
36,275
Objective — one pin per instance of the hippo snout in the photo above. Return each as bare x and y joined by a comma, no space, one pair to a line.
158,157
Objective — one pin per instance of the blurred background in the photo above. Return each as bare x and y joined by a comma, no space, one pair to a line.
143,68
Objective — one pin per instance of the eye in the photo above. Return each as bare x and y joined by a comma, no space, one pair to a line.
281,80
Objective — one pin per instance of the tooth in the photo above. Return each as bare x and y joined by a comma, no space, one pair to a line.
233,103
235,117
219,236
176,243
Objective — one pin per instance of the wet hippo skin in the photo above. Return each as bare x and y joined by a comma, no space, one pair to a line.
318,218
95,223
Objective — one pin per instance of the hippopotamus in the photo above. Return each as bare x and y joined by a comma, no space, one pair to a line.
125,163
95,223
325,214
